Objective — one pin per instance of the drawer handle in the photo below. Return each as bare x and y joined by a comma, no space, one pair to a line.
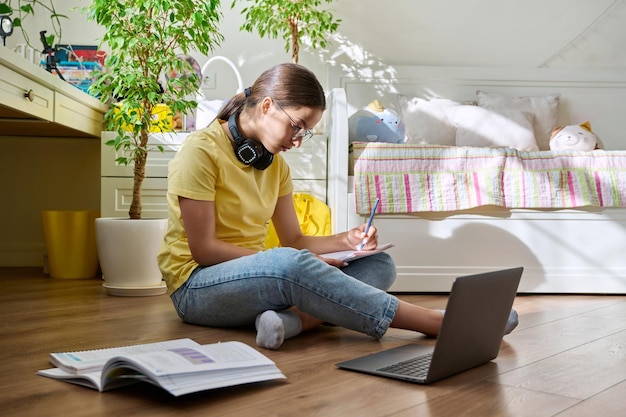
30,95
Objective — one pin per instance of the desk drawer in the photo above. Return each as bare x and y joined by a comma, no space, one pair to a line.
14,87
71,113
156,165
117,194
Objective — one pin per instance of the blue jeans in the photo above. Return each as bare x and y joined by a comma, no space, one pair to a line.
233,293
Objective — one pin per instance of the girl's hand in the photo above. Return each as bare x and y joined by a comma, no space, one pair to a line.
357,235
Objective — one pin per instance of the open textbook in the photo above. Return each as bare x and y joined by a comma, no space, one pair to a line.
179,366
351,255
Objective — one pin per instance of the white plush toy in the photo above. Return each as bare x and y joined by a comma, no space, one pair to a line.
375,123
575,137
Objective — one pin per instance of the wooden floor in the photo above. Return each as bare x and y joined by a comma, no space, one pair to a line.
567,358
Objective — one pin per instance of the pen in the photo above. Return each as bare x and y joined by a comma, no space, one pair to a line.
369,223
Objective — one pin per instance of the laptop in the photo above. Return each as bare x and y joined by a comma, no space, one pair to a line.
470,335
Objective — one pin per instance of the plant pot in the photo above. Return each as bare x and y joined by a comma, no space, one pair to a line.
128,250
70,243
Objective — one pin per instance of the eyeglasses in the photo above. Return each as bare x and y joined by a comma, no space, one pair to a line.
299,133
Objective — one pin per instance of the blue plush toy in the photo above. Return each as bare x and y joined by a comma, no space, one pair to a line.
374,123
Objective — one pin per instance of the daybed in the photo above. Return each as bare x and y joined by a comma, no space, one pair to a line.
454,210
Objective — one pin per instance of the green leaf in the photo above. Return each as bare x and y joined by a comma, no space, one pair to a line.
271,19
143,39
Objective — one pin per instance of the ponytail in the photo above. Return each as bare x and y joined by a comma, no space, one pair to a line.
291,85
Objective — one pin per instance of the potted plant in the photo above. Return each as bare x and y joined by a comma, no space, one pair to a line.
144,39
291,20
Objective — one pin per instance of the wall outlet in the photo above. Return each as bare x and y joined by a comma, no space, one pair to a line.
208,81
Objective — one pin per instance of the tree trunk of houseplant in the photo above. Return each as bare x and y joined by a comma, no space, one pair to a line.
291,20
139,174
295,42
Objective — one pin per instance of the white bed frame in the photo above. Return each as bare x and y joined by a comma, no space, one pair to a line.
562,251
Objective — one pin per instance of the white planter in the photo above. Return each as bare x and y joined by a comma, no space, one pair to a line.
127,250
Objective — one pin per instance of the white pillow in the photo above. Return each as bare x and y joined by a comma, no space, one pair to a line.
544,109
206,111
426,121
477,126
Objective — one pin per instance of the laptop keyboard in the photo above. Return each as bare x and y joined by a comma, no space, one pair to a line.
416,367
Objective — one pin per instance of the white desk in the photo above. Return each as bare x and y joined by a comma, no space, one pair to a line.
34,102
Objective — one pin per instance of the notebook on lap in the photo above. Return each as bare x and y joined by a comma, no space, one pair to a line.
471,333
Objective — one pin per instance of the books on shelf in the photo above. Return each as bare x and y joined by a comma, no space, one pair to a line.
351,255
179,366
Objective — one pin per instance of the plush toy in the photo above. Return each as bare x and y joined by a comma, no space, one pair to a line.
576,137
374,123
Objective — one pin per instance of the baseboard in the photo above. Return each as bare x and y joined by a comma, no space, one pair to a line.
22,254
561,280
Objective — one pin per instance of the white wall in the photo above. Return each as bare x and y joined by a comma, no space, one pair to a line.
251,54
43,174
375,34
374,37
486,32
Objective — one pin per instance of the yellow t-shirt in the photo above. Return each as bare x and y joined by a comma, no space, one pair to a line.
206,168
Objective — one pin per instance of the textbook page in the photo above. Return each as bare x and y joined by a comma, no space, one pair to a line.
180,370
351,255
92,360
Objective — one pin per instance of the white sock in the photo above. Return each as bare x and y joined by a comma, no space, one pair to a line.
274,327
511,323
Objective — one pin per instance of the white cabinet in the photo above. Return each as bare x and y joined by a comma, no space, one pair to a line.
116,186
307,163
156,165
308,166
